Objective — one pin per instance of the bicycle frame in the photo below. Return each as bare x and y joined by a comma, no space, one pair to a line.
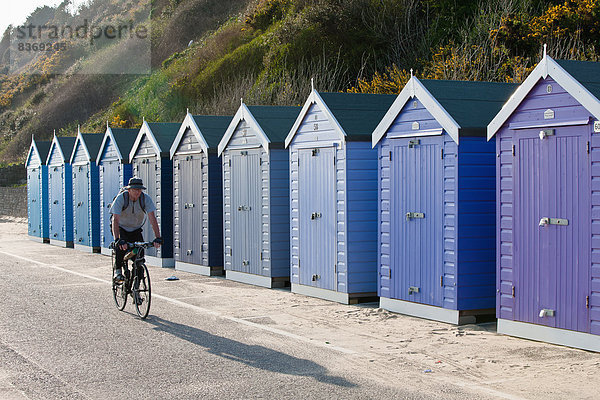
121,290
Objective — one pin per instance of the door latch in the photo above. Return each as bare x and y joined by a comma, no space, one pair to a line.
244,208
553,221
315,215
413,289
315,277
546,312
412,215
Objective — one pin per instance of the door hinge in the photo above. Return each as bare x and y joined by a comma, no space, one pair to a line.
390,156
230,162
513,150
261,256
442,154
230,251
588,147
335,268
513,291
587,301
442,281
389,273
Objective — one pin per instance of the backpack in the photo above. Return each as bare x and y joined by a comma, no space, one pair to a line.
125,193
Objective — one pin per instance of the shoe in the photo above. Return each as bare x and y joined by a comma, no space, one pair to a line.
138,299
119,278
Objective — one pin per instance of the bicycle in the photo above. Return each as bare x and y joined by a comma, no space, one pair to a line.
136,283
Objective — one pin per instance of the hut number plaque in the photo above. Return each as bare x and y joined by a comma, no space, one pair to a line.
549,114
596,126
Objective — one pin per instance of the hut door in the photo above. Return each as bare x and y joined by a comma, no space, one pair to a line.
417,221
317,214
552,228
55,182
80,204
246,195
34,207
111,184
147,170
190,189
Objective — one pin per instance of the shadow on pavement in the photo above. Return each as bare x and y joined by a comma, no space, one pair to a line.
251,355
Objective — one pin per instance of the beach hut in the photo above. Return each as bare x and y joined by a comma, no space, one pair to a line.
60,191
256,195
86,205
437,200
548,173
114,172
333,196
151,161
197,195
37,191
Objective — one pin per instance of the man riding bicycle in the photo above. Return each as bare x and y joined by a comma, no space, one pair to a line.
129,211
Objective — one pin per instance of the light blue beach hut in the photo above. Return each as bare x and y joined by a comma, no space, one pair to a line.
333,189
60,191
256,205
198,195
38,223
114,171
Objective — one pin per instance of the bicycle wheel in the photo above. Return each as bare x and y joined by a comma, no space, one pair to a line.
141,291
119,294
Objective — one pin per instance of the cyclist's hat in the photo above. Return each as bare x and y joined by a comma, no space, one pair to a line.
135,183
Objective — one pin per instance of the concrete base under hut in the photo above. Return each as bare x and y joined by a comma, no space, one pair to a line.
325,294
39,239
87,249
540,333
61,243
257,280
434,313
198,269
160,262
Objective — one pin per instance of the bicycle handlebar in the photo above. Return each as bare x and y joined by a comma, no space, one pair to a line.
144,245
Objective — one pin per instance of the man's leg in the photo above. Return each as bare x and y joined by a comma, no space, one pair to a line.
120,265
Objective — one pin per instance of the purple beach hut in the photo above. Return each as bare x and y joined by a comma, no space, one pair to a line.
548,206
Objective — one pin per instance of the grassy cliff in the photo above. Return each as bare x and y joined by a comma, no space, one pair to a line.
207,54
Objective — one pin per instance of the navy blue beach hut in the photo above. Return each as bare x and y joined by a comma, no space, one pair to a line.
114,172
548,206
37,191
60,191
86,205
151,161
256,195
333,189
198,195
437,200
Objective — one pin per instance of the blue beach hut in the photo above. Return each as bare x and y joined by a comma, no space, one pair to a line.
151,161
60,191
333,189
86,205
256,205
436,224
198,195
114,173
38,224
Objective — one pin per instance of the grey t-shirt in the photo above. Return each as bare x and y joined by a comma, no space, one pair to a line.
132,217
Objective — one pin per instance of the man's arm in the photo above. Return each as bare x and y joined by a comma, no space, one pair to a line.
115,229
115,226
155,227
